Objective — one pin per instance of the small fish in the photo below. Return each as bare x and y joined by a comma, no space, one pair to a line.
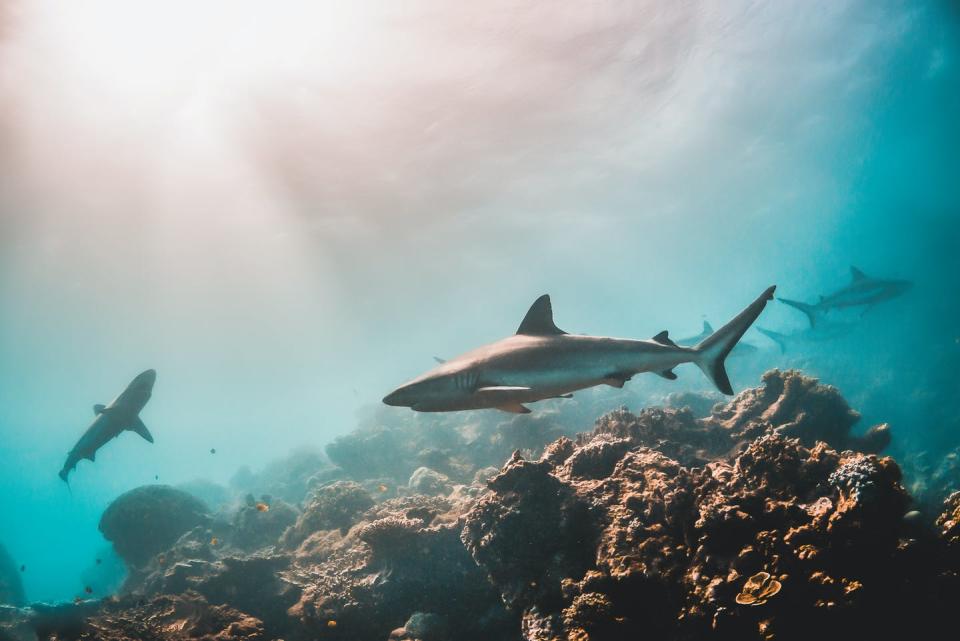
162,560
214,541
88,590
263,507
23,568
383,487
213,450
77,600
99,561
331,623
156,477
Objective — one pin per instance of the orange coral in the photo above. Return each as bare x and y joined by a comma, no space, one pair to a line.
758,589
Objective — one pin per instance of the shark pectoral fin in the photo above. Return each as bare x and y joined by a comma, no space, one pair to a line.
514,408
617,379
92,457
142,430
98,408
440,360
667,374
856,274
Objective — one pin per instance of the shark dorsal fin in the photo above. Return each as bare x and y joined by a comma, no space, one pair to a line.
856,274
707,328
664,338
539,319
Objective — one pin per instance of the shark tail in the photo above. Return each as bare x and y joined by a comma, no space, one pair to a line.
806,308
711,353
776,337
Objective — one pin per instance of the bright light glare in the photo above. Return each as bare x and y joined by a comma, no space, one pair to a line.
176,47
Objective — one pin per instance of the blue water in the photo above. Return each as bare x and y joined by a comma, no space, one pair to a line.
285,248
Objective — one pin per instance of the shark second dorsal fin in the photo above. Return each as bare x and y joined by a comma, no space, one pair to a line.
664,339
539,319
856,274
98,408
707,328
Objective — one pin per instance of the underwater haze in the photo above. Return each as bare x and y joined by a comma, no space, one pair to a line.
288,211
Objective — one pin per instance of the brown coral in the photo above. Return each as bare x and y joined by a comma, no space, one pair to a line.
758,589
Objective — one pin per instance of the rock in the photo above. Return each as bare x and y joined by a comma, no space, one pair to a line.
149,519
255,528
173,618
427,481
422,626
288,479
335,506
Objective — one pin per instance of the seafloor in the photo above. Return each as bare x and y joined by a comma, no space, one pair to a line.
761,518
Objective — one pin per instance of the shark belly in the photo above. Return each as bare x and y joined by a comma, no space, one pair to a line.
572,363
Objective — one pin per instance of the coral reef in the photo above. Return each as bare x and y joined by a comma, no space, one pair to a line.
255,527
335,506
149,519
287,479
766,518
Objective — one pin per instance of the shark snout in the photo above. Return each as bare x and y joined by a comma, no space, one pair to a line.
397,398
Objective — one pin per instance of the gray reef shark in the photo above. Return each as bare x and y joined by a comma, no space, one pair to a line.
863,291
740,349
541,361
821,333
123,413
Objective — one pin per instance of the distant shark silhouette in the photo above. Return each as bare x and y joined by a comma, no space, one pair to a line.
740,349
541,361
123,413
863,291
820,333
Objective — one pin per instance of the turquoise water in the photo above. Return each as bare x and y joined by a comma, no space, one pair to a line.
286,242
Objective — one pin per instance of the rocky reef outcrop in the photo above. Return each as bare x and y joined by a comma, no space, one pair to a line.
147,520
769,517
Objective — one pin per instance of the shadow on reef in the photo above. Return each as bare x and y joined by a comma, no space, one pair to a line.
765,518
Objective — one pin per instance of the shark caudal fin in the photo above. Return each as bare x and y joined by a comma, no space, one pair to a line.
713,350
806,308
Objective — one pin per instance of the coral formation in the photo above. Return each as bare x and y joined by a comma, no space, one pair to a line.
767,518
335,506
149,519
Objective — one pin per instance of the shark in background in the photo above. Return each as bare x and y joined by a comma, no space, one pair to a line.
121,414
820,334
862,291
742,348
542,361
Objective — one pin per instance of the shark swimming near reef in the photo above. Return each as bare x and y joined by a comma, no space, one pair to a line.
542,361
740,349
862,291
821,333
123,413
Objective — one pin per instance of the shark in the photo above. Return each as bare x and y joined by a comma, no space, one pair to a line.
111,420
820,333
541,361
862,291
740,349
